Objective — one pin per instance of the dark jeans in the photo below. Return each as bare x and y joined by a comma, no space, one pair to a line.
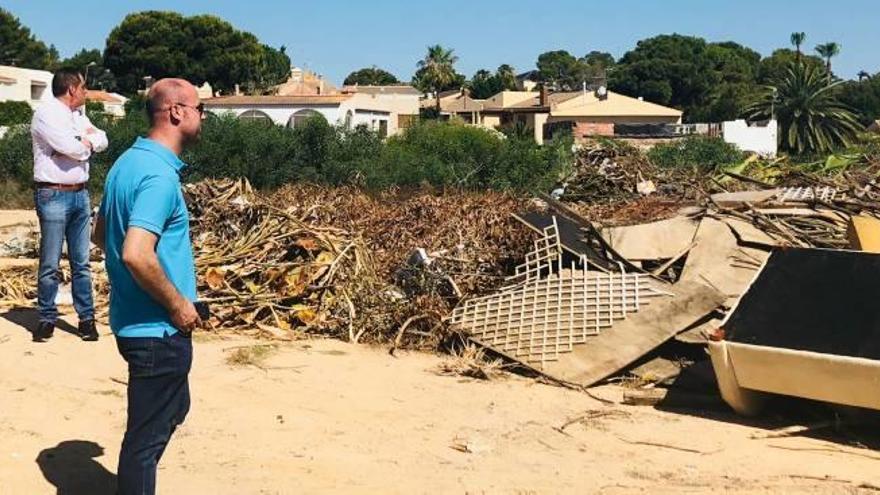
158,401
64,215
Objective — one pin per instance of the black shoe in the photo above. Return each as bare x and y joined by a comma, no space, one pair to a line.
87,330
44,331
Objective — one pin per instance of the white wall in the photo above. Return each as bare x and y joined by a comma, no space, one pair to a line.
280,114
20,90
758,139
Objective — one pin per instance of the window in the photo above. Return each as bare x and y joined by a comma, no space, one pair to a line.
301,116
37,90
255,116
383,128
349,119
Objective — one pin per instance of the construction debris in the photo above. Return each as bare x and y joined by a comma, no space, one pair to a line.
621,258
863,233
806,327
551,311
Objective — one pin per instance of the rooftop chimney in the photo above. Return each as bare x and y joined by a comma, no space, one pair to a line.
544,96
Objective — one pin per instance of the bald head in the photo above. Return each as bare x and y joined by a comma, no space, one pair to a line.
175,113
167,92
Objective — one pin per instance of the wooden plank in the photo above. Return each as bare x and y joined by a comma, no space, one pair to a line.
710,261
632,338
864,234
742,198
652,241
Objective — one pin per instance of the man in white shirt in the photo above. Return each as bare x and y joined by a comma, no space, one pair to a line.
64,139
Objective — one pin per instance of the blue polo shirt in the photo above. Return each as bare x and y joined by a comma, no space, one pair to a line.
143,190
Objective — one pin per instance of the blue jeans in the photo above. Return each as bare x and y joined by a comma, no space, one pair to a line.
158,401
64,215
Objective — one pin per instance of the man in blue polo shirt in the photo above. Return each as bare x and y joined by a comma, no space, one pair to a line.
143,228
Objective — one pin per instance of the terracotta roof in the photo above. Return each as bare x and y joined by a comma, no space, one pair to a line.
399,89
103,96
276,100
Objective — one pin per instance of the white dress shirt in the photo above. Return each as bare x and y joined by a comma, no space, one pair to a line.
59,155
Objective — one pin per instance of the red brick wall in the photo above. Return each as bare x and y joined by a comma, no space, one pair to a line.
585,129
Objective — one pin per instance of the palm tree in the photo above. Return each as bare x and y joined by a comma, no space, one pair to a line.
827,51
864,75
437,71
811,118
797,39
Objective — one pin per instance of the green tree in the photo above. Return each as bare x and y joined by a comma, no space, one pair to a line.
599,59
91,63
485,84
436,72
561,70
507,75
21,48
668,69
863,96
709,81
797,39
828,51
863,74
198,48
370,76
775,67
811,117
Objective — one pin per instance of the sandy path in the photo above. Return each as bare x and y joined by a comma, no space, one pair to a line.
328,417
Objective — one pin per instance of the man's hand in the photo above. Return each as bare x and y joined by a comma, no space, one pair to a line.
139,256
185,317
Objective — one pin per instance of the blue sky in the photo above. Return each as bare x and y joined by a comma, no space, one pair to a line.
337,37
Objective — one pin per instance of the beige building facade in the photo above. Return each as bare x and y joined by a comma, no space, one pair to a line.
28,85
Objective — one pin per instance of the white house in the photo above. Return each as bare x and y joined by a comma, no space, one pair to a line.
399,99
29,85
350,109
114,103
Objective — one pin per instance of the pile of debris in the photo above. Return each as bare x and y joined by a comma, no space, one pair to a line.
594,300
384,268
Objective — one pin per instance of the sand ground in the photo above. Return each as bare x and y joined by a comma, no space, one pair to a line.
324,416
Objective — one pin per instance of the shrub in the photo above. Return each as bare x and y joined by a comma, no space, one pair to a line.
440,154
699,152
15,112
16,156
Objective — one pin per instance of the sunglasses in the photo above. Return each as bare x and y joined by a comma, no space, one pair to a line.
199,108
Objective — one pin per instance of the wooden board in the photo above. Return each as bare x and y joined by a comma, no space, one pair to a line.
629,339
714,259
652,241
742,198
864,234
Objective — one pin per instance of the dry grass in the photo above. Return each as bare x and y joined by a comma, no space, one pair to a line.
254,355
14,195
471,361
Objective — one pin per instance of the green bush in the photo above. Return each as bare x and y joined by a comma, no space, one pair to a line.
700,152
440,154
16,156
15,112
